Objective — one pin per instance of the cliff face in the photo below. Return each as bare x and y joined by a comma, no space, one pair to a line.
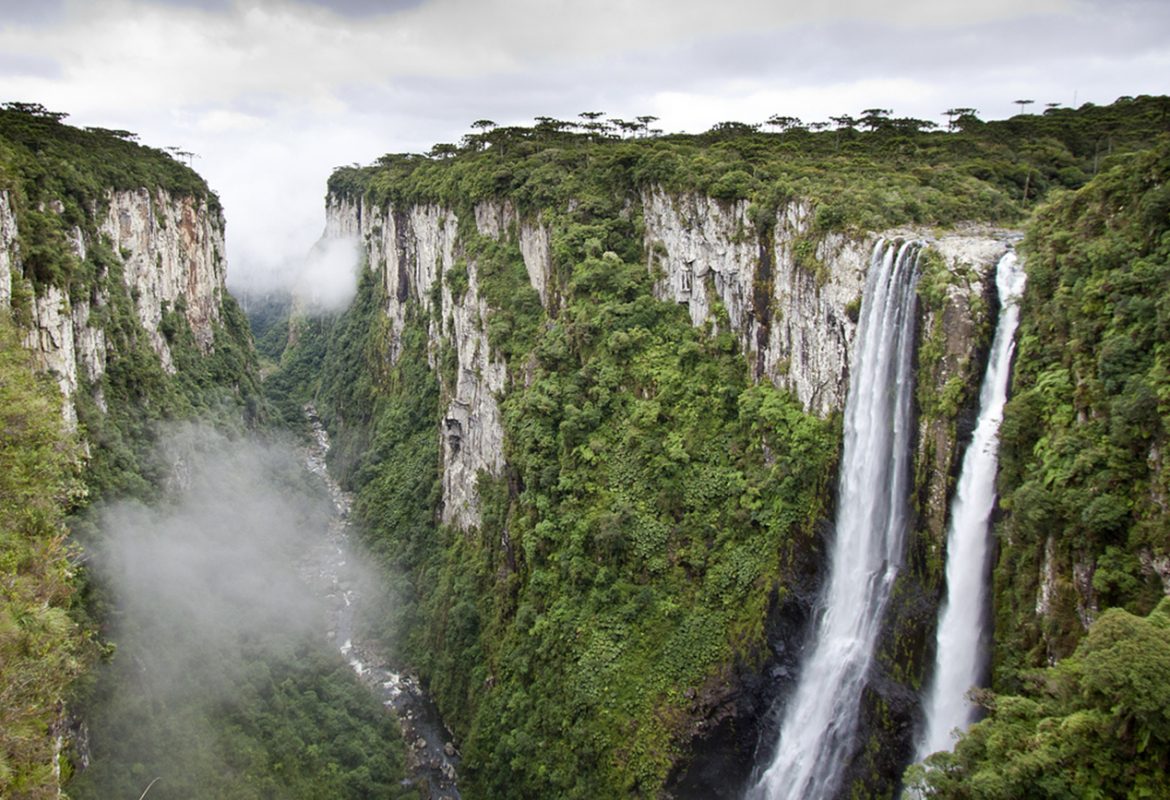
170,250
413,250
792,319
789,296
117,293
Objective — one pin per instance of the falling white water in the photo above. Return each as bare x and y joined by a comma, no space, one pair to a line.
818,732
960,658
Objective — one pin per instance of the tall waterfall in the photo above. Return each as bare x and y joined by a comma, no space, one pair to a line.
818,732
960,659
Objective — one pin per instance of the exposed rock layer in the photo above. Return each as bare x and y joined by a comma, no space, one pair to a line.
791,296
171,249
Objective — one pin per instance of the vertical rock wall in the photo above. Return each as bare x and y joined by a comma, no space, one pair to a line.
790,297
171,249
413,250
8,249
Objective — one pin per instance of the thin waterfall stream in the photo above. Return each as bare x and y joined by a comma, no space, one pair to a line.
961,651
431,758
818,732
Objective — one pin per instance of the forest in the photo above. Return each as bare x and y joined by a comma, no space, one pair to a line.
653,522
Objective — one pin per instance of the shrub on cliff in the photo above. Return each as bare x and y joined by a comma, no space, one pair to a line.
1095,725
41,648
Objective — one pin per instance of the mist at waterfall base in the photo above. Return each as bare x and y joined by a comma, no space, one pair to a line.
961,654
223,682
818,731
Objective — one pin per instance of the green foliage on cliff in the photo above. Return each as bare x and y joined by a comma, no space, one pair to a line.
1096,725
220,386
653,500
858,180
41,648
56,179
43,161
1083,473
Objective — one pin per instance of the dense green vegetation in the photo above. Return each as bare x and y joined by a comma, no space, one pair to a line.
1083,436
221,387
1096,725
45,160
1084,488
272,714
268,316
654,499
890,174
41,648
657,497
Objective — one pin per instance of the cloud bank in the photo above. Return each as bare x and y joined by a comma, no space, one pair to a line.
273,94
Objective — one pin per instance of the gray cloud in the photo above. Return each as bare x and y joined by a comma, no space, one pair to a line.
218,560
322,281
202,5
29,64
218,597
272,94
22,12
365,8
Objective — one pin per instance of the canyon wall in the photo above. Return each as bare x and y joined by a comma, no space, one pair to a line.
170,250
790,296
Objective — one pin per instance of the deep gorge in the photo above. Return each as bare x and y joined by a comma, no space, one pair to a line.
589,402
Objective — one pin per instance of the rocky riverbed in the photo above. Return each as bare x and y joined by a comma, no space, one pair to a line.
432,759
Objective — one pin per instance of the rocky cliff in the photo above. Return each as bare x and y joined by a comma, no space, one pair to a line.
789,296
112,279
170,253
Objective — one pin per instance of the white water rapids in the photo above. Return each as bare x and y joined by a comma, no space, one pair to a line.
431,758
960,658
818,732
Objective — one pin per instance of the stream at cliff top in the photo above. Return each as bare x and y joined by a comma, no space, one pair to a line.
431,760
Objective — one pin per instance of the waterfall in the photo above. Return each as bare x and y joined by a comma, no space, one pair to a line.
960,659
818,732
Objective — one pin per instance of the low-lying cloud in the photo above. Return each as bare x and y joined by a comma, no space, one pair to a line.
328,278
216,564
324,281
220,601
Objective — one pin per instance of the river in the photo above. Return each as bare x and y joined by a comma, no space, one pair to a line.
431,759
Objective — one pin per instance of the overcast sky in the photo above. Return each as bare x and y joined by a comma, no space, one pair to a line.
272,94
